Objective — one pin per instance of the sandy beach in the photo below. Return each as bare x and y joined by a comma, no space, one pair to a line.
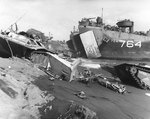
106,103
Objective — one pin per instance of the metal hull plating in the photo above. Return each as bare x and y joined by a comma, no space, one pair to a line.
11,47
115,45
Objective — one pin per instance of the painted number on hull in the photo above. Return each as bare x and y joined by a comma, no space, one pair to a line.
91,50
130,43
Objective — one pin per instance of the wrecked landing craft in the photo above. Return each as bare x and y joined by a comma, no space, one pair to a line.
20,45
28,45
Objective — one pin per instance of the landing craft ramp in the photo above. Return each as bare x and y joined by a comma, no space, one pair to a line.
90,45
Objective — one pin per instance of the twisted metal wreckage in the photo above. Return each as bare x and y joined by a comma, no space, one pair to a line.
23,45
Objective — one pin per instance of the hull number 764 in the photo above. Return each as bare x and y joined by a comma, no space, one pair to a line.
130,43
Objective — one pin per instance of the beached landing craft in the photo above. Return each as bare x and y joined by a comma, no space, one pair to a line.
94,39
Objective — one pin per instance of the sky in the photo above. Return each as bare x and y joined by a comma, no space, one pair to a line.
59,16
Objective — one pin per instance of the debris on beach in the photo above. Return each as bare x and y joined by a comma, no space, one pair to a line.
115,86
88,77
76,111
81,95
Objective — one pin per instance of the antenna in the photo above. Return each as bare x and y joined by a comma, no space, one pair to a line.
102,15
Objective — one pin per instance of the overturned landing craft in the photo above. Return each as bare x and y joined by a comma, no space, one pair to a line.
22,46
137,75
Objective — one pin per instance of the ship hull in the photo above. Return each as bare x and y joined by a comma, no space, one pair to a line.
116,45
4,48
113,50
9,47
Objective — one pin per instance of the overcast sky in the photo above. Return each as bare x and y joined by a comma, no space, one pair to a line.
59,16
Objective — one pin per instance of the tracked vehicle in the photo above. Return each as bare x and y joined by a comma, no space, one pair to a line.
133,74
